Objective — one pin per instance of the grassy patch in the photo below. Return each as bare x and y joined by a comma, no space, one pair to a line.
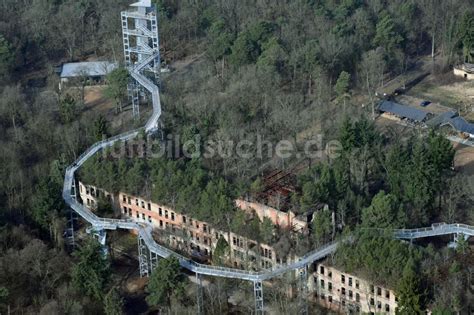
438,94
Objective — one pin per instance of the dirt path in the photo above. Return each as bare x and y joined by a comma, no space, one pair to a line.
464,159
94,99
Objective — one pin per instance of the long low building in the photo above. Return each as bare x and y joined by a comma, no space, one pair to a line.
392,110
403,111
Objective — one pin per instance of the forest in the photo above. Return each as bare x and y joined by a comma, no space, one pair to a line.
279,70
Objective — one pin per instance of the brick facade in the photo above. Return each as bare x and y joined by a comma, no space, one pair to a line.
284,219
184,233
90,195
347,293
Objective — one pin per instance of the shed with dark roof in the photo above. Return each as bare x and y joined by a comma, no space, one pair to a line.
403,111
461,125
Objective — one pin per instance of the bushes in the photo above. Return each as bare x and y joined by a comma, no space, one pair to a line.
166,281
91,272
181,185
375,257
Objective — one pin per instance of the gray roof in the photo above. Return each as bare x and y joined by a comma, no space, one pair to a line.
441,119
461,125
402,110
90,69
142,3
468,67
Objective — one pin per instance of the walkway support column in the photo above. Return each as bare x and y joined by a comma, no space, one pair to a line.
134,95
303,290
69,234
258,292
73,190
153,260
99,233
143,257
199,295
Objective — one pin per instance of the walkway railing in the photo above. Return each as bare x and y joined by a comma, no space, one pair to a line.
436,229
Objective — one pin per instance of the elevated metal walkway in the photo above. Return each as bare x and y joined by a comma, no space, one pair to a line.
145,230
437,229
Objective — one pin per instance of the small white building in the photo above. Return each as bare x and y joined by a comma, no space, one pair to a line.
94,71
466,70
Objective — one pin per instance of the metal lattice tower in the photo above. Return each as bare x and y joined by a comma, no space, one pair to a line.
140,41
258,292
